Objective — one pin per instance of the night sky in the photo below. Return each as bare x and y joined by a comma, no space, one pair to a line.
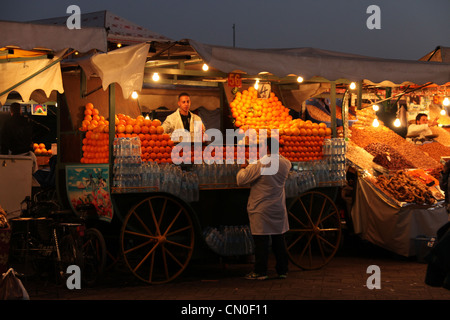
409,28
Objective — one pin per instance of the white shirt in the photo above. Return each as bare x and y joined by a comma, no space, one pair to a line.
419,130
173,122
266,205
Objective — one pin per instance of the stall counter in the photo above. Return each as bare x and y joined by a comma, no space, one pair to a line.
383,222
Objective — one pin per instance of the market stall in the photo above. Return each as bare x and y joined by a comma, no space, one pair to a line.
148,180
160,210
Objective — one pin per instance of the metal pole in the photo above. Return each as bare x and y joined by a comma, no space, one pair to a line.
234,35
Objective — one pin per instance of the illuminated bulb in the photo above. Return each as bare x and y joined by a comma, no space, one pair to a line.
155,76
375,107
446,102
299,79
443,113
352,86
205,67
119,45
375,123
256,84
397,122
134,95
147,117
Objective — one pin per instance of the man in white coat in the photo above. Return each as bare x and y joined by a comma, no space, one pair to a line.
184,119
266,209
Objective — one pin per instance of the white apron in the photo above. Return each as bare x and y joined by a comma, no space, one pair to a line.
266,205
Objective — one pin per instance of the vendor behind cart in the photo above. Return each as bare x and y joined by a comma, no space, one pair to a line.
17,135
420,132
184,119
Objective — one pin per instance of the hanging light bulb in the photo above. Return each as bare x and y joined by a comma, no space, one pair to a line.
299,79
352,86
119,45
205,67
134,95
443,113
155,76
375,107
256,84
147,117
446,102
397,122
375,123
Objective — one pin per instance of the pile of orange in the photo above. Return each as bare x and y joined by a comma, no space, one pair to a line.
40,150
95,147
299,140
126,126
156,147
93,121
155,144
249,111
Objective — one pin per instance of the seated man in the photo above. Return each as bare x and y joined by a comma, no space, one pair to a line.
420,131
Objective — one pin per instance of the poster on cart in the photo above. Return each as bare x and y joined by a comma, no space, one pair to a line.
89,184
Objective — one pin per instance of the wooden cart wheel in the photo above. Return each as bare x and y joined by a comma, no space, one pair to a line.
157,239
315,230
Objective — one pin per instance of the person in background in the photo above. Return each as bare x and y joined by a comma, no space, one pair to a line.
183,118
266,209
422,126
17,135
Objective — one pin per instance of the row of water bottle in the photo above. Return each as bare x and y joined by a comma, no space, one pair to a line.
183,184
230,240
334,147
334,151
216,173
127,163
171,179
127,147
299,182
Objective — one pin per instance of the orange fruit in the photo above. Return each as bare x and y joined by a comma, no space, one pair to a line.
159,129
136,128
156,123
120,128
128,128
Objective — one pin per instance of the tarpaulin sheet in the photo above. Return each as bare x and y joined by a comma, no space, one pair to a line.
311,62
392,225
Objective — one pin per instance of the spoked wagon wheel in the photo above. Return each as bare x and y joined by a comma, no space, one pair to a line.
157,239
315,230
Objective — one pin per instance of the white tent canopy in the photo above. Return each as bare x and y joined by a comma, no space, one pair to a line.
30,36
310,63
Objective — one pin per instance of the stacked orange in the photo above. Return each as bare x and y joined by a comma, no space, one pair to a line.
155,144
96,142
299,140
95,147
93,121
40,150
303,140
249,111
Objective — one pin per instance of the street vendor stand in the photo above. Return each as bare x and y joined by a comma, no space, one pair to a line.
156,228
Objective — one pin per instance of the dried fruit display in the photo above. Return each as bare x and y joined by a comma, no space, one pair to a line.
359,156
435,150
387,157
367,135
443,136
405,188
